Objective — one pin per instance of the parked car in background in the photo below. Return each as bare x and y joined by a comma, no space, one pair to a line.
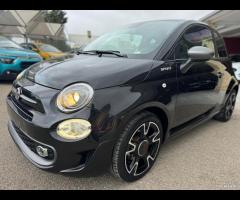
236,65
14,59
77,50
47,51
125,94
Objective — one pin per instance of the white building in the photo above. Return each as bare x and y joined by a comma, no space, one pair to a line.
78,40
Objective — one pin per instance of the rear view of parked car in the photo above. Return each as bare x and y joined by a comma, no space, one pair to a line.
14,59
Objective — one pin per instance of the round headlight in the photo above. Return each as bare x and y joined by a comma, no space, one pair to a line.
74,97
74,129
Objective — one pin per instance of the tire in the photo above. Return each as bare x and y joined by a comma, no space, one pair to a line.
226,112
137,147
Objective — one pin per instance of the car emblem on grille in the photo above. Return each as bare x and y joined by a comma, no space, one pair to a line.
18,93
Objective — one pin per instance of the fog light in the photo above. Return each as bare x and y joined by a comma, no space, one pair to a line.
74,129
43,152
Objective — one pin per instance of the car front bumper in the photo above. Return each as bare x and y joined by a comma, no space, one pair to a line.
9,75
91,155
10,71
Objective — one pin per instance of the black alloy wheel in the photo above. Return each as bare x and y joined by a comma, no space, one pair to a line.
138,147
227,111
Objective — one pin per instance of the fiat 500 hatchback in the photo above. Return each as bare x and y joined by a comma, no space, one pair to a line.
114,103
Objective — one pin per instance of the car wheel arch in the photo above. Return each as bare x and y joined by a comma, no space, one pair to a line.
232,86
154,107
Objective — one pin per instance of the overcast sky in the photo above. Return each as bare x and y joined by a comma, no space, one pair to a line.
100,21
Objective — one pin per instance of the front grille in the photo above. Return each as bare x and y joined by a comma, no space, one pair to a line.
31,144
27,99
21,108
25,65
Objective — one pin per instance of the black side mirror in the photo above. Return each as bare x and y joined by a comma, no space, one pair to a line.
196,54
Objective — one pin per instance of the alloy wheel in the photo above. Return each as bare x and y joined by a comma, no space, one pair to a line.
142,148
230,105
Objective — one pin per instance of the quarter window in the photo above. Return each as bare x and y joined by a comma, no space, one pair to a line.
220,45
194,36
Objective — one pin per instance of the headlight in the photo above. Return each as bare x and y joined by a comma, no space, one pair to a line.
74,129
74,97
6,60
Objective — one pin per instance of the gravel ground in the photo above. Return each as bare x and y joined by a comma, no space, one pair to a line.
205,158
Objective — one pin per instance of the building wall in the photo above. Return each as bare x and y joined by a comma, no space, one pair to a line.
79,40
232,45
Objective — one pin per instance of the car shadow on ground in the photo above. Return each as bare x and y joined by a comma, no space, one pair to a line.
5,82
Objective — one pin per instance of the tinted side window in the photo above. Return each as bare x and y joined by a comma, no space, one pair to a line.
220,45
194,36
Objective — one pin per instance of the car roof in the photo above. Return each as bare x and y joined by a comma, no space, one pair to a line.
181,21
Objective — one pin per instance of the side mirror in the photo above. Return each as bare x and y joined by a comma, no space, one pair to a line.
200,53
196,54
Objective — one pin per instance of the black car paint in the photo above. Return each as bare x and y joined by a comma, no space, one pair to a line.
123,87
98,72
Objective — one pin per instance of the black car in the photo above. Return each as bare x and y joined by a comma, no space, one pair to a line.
124,95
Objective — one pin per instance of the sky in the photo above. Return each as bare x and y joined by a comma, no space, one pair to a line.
101,21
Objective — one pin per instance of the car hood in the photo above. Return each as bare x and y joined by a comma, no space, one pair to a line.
99,72
17,52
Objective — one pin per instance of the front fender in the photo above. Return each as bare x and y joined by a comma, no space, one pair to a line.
114,106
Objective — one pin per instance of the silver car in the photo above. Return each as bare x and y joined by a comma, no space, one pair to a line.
236,65
236,68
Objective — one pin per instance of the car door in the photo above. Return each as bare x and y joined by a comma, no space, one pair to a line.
225,65
199,87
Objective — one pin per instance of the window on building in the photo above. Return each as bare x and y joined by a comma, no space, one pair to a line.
220,45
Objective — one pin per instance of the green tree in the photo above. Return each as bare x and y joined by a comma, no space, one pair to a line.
55,16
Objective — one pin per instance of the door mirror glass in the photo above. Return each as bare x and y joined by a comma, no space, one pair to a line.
200,53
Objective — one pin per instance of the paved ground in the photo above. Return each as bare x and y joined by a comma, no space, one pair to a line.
205,158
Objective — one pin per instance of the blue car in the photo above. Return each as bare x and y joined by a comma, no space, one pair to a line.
14,59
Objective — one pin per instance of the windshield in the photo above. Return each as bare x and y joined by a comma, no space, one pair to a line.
140,40
6,43
49,48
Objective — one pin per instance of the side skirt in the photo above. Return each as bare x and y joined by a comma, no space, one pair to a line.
187,126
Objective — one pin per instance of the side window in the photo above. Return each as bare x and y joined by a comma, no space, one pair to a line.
194,36
220,45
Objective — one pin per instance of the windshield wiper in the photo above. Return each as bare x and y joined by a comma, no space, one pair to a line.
84,52
100,52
